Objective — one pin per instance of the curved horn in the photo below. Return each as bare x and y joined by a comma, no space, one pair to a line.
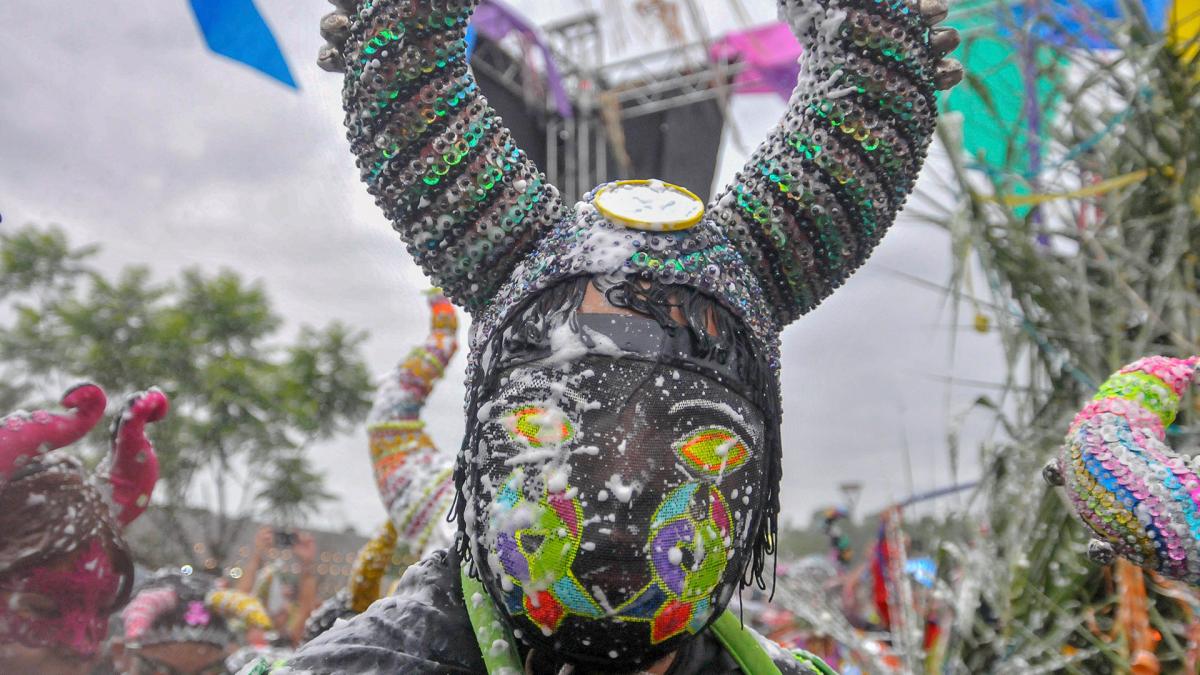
1139,498
24,436
131,467
238,605
819,193
145,608
438,160
369,567
410,471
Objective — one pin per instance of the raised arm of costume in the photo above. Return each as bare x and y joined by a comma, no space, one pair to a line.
438,160
819,193
414,478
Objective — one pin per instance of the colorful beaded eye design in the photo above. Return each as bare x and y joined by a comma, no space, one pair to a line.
539,427
712,451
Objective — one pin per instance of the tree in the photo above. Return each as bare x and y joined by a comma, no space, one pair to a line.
243,399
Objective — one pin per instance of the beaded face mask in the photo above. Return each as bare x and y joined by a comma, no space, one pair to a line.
64,608
614,498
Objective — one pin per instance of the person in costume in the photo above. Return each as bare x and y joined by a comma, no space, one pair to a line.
620,472
181,624
288,598
415,479
64,564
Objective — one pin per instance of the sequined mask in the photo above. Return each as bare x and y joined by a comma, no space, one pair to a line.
615,498
63,608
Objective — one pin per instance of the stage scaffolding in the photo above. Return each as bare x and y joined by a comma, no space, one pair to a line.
655,115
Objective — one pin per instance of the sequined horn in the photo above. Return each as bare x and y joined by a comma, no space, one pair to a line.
819,193
414,477
437,158
24,436
241,606
1139,498
145,608
131,468
372,562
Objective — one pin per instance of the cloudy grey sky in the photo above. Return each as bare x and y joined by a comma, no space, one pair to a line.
116,123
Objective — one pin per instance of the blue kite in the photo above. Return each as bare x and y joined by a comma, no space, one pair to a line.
235,29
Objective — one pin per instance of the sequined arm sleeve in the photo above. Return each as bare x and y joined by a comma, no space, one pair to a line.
819,193
414,478
438,160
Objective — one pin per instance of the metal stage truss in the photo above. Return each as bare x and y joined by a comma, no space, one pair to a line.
654,115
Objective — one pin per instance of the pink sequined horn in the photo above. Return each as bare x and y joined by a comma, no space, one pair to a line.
145,608
1138,496
24,436
132,467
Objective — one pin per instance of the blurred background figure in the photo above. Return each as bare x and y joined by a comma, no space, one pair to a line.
180,624
64,565
288,597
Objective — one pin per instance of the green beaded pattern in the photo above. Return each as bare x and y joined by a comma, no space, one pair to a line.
818,195
438,160
1144,389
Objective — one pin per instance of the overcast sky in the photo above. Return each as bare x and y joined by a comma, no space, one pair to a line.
119,125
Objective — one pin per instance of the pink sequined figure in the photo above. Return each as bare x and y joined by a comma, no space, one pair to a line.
64,565
24,436
65,605
1139,497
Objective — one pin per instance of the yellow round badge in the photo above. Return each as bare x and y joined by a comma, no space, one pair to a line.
649,205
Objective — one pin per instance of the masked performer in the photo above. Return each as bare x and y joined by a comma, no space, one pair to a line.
179,624
415,479
64,566
620,473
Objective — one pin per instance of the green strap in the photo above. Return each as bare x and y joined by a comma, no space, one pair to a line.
750,655
496,644
499,648
741,645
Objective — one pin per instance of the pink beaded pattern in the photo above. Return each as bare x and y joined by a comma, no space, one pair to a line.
1124,481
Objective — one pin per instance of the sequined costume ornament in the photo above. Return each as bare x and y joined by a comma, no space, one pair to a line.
369,567
415,479
805,213
240,606
1139,498
50,510
83,596
25,436
435,156
172,607
627,492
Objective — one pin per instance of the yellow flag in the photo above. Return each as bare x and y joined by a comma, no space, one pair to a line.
1185,25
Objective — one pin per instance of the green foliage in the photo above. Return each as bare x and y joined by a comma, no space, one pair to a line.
242,397
1076,287
293,490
